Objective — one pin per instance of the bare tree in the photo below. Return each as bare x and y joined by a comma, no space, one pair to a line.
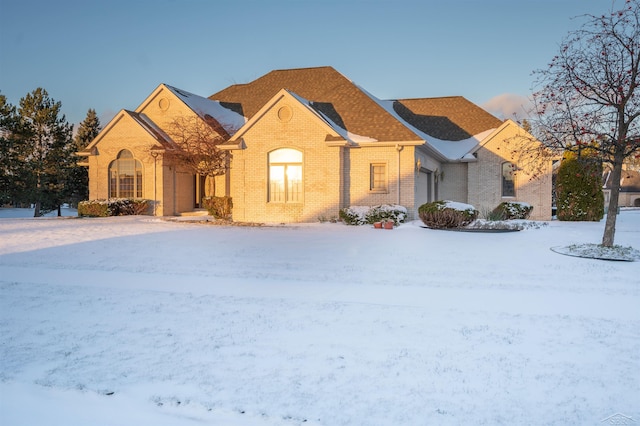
198,149
588,94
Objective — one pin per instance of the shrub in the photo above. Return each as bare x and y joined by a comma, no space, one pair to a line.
113,207
361,215
579,194
509,210
387,212
218,207
354,215
95,208
490,215
447,214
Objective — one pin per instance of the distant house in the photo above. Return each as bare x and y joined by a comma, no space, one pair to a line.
308,142
629,188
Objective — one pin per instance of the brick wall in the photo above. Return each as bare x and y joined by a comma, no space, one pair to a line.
452,182
126,134
485,175
320,170
334,177
174,189
401,173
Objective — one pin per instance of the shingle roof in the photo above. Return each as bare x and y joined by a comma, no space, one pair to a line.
450,125
451,118
330,93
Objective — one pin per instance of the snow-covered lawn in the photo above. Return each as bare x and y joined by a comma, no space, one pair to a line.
136,320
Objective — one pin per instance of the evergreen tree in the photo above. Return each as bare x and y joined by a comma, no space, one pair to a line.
79,179
12,170
7,120
49,150
579,187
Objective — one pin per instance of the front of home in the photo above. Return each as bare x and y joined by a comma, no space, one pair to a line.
305,143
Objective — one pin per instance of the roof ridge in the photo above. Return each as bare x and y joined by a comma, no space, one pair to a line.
432,97
304,68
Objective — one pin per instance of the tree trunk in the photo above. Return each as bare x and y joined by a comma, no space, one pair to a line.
36,211
612,213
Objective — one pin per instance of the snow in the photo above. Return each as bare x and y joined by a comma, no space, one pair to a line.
456,205
452,150
139,320
230,120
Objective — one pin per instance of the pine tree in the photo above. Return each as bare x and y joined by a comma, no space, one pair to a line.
79,179
13,171
49,150
8,120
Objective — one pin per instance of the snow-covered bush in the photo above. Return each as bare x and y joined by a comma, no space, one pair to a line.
447,214
113,207
509,210
361,215
387,212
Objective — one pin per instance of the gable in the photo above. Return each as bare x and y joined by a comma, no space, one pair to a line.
130,123
328,92
166,103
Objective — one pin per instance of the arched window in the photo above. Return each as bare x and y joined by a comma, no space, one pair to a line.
508,180
285,176
125,176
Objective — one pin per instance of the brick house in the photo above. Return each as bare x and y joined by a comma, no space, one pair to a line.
307,142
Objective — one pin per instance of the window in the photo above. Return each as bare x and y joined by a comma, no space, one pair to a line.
508,180
285,176
378,177
125,176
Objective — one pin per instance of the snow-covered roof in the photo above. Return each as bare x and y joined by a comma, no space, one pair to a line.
452,150
230,120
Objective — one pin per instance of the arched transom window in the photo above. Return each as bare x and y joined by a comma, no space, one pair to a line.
125,176
285,176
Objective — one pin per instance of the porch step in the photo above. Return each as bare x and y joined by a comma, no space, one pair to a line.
195,212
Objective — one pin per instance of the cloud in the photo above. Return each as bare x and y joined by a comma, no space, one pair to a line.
509,105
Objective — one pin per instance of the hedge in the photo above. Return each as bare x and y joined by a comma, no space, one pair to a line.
114,207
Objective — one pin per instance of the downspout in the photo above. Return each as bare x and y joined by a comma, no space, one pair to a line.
398,148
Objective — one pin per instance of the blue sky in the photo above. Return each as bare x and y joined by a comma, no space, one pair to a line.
110,55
